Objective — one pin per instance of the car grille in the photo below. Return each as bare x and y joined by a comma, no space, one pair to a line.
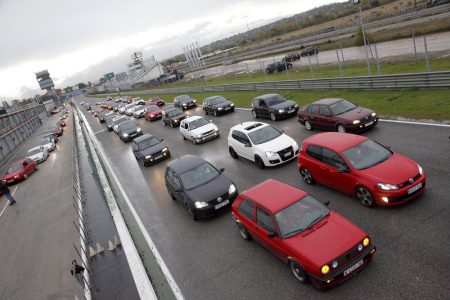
347,256
208,133
290,108
214,201
408,183
283,153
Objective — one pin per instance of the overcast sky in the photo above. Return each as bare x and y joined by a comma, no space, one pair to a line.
82,40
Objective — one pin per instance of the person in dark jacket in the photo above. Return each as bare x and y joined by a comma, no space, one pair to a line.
5,189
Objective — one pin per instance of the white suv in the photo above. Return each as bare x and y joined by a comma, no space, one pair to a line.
262,143
198,129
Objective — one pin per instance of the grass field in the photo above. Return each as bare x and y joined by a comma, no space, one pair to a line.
430,104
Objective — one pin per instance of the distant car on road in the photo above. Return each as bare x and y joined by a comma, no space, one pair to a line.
278,67
149,149
20,170
273,106
217,105
201,188
172,116
308,51
51,136
198,130
156,101
138,111
48,144
360,167
184,102
153,112
128,130
38,154
117,121
318,244
336,114
291,57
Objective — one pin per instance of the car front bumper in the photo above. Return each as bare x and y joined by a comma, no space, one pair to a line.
401,196
204,139
363,126
210,210
157,157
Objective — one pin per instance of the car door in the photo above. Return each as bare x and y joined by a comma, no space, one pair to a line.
263,110
265,225
184,129
173,184
247,210
325,119
314,162
28,166
313,116
134,147
332,162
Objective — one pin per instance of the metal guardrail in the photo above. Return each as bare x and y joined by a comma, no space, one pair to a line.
396,81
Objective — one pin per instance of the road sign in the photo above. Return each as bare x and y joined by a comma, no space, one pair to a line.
109,76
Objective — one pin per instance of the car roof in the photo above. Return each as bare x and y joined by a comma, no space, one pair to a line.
34,148
249,126
336,141
142,138
192,118
185,163
166,109
214,97
268,195
20,161
127,122
267,96
327,101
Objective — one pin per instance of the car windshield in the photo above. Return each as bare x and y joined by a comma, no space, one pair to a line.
174,112
218,100
127,125
198,123
148,143
265,134
153,109
183,98
342,107
33,152
130,106
45,141
300,216
366,155
276,99
118,121
14,168
139,107
198,176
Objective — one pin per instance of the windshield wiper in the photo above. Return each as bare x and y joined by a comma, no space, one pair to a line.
294,232
315,221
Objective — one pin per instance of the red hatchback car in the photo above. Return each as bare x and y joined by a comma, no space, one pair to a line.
360,167
318,244
153,112
156,101
337,115
20,170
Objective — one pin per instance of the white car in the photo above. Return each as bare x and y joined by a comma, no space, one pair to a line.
262,143
139,101
38,154
138,111
198,129
129,108
122,109
48,144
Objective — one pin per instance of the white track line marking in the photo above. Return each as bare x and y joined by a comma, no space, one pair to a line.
7,202
100,131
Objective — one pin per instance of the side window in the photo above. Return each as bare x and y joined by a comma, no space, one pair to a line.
255,102
264,220
176,181
246,209
313,110
323,111
235,135
133,146
315,152
262,103
169,175
332,158
245,139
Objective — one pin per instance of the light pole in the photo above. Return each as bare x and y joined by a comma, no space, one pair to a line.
246,22
358,3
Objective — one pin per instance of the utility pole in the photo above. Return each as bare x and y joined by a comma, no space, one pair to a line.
358,3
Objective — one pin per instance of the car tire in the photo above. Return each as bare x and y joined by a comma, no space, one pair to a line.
171,125
233,153
184,138
259,162
308,125
255,114
244,232
298,272
365,196
206,112
35,168
272,116
194,141
190,211
215,113
306,176
340,128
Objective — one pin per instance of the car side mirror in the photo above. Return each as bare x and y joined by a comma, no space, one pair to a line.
271,234
25,163
343,169
248,145
221,170
326,203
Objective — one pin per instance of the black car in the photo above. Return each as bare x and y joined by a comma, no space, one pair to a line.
128,130
102,115
309,51
291,57
109,118
217,105
116,123
273,106
110,121
172,116
148,149
184,102
199,186
278,67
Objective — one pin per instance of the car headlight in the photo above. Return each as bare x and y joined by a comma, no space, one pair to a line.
294,145
366,242
387,186
125,134
194,100
271,154
325,269
176,121
296,105
165,149
17,176
220,108
356,122
334,264
232,104
374,115
420,170
231,189
139,129
281,111
151,116
199,135
360,247
200,204
148,156
184,104
216,129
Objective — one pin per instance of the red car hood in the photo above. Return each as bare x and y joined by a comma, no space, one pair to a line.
10,176
395,170
327,240
356,114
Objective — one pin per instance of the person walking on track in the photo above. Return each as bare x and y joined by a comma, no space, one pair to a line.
5,189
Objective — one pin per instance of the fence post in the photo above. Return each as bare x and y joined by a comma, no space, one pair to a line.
376,57
426,54
342,54
339,62
310,67
415,49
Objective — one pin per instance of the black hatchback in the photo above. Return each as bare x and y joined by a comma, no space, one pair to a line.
199,186
149,149
128,130
184,102
217,105
172,116
273,106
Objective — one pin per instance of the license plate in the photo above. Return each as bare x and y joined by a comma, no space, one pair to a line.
368,123
222,204
288,154
291,111
353,268
159,156
227,108
415,188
